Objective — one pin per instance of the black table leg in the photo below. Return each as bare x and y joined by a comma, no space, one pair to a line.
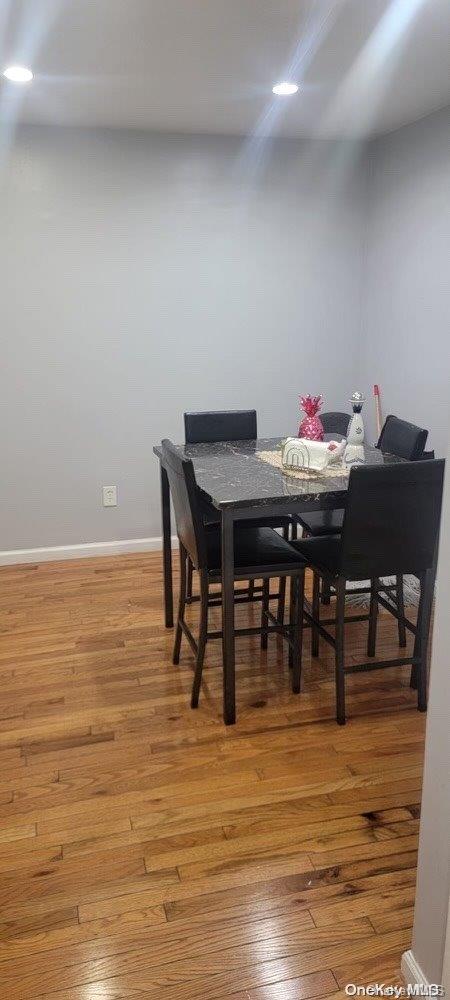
229,706
167,548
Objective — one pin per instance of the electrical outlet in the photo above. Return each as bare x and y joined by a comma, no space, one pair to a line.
109,494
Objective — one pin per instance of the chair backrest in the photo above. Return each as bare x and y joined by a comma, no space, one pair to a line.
183,489
220,425
335,422
391,521
398,437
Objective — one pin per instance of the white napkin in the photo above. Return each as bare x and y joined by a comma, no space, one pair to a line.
300,453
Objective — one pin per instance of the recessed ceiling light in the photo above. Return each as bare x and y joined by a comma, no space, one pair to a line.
285,89
18,74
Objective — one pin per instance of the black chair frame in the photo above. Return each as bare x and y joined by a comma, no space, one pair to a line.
193,543
399,437
253,593
386,508
210,426
292,632
378,597
335,422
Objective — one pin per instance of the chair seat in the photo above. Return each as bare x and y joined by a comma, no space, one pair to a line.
211,517
254,548
322,522
322,553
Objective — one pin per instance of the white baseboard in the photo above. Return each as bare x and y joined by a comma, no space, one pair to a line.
82,551
411,971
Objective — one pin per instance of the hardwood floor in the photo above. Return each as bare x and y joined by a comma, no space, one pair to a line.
146,851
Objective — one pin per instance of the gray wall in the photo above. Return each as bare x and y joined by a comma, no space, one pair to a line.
406,297
142,276
405,340
433,878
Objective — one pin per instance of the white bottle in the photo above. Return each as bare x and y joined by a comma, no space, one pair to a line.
354,452
356,427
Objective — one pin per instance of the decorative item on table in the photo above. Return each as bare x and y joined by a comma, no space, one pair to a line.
313,456
355,433
311,426
354,455
377,394
354,452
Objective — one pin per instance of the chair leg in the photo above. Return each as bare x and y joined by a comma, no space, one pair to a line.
413,677
315,615
281,599
373,618
423,631
414,671
204,595
297,622
181,605
282,585
401,610
251,590
293,605
292,600
264,616
340,652
190,573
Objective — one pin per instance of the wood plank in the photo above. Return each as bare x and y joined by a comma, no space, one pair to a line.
366,905
23,832
171,943
148,851
317,984
232,972
290,893
392,919
183,957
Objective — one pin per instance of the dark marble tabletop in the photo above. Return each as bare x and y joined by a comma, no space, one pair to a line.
230,474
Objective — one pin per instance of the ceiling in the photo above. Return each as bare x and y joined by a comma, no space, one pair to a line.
363,66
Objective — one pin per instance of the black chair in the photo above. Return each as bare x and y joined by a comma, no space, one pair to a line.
335,422
258,552
398,437
211,426
220,425
391,527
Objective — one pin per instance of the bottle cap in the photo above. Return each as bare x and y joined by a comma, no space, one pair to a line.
357,397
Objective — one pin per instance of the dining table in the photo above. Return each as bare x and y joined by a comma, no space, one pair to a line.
243,481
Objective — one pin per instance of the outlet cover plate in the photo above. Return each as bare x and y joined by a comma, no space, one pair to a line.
109,495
